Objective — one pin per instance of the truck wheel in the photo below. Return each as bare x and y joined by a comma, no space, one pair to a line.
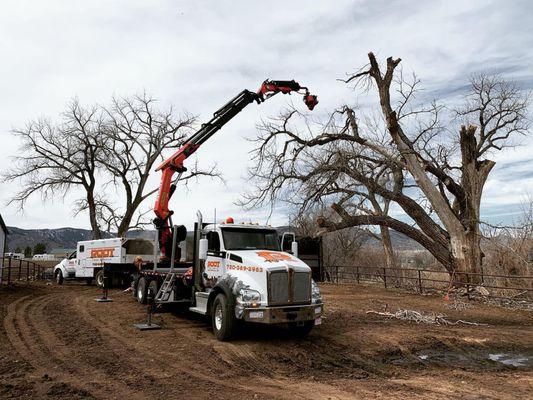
223,318
99,278
141,290
301,330
154,287
59,277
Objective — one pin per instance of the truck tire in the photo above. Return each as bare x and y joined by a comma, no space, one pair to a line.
154,287
301,330
99,278
141,290
223,318
59,277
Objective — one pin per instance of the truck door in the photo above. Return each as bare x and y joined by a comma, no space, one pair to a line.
215,264
80,261
70,265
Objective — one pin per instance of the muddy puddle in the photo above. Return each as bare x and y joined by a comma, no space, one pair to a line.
478,359
475,359
515,360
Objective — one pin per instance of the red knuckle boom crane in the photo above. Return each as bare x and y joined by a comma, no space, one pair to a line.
174,163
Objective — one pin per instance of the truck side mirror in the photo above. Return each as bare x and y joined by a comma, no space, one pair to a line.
286,241
202,249
294,249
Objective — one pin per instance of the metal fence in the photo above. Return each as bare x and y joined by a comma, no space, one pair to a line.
419,280
16,270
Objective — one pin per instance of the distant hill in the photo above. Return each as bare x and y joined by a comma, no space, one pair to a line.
399,242
68,237
53,238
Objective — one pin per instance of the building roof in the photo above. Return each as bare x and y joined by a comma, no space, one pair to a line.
3,225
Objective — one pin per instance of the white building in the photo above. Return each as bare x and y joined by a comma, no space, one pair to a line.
3,237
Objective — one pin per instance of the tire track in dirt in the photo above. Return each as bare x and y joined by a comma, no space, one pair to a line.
116,364
266,384
20,336
185,368
33,339
96,370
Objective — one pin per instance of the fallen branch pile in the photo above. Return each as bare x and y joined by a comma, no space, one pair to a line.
418,317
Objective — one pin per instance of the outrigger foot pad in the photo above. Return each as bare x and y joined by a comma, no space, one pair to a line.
146,327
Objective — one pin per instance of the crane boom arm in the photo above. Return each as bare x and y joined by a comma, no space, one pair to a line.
175,162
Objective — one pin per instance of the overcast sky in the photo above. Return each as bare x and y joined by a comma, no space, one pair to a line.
197,54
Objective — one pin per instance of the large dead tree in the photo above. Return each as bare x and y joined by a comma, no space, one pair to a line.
137,134
436,178
57,157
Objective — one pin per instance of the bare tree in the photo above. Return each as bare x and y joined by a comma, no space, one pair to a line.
55,158
137,135
341,247
437,182
108,151
509,249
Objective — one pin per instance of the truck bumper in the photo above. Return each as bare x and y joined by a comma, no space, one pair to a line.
284,314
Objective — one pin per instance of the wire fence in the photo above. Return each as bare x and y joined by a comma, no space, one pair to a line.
493,285
17,270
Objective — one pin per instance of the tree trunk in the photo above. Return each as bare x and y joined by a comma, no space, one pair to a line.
467,250
390,258
92,214
125,223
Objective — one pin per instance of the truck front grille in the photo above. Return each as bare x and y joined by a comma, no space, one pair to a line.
289,287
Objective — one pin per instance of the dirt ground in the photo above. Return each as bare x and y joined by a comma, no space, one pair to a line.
57,342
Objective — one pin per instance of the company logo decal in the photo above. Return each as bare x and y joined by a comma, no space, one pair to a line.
102,253
213,264
272,256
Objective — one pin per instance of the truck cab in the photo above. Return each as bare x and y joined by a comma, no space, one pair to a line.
243,268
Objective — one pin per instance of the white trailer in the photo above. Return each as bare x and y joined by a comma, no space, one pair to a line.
43,257
15,256
117,254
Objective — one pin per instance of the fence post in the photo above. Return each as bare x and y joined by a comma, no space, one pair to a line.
357,272
9,271
27,271
419,282
385,277
20,268
337,273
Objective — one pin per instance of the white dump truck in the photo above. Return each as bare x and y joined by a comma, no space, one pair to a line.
118,254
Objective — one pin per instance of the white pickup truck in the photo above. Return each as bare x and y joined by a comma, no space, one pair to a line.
87,262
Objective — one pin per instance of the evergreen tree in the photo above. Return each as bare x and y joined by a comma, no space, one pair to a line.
39,248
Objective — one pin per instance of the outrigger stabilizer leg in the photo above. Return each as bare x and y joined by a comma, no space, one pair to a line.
148,326
104,298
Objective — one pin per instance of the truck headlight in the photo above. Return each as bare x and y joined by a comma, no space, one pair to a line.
249,295
315,292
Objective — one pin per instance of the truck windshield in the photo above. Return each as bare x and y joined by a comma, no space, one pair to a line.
250,239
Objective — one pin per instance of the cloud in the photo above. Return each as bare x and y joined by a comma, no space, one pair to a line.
197,55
